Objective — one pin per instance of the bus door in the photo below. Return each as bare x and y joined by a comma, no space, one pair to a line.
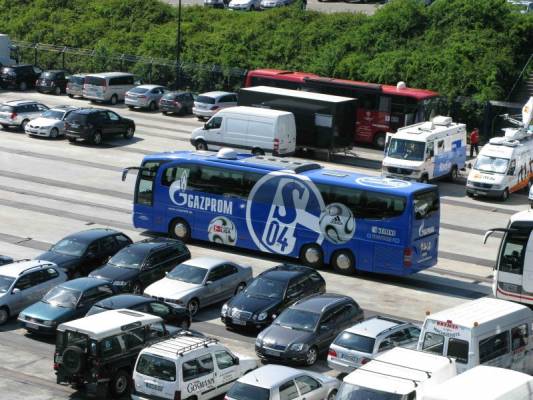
143,211
425,230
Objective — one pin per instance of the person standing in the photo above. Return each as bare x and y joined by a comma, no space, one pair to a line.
474,142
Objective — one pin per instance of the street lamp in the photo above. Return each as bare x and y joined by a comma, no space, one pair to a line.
178,49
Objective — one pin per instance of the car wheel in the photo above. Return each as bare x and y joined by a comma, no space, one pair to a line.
54,133
4,127
23,124
311,356
114,99
200,145
4,315
379,140
505,195
454,174
70,95
152,106
332,395
129,132
97,138
73,359
164,112
240,287
23,86
343,262
57,91
131,107
312,256
137,288
185,324
181,230
193,307
71,139
258,152
120,384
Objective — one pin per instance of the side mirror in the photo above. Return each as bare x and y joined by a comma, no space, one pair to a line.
205,127
81,305
91,254
236,361
511,172
208,283
324,327
15,291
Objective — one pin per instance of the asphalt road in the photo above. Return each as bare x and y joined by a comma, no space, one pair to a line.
50,188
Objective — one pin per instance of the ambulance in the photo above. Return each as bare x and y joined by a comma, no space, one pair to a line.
505,164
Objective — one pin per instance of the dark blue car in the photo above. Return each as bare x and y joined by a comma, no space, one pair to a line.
66,302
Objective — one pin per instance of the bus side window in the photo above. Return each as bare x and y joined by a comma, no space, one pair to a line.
493,347
514,247
384,104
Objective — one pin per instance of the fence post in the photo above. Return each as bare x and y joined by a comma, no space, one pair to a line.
35,54
63,57
150,70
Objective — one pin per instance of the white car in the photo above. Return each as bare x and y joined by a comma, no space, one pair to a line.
247,5
208,104
275,382
201,281
50,124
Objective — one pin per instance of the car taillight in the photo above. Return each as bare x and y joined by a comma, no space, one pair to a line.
13,115
215,107
177,395
332,353
276,144
364,360
56,366
407,257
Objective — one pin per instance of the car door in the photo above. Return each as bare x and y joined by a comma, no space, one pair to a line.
228,370
229,280
91,259
23,293
92,296
199,377
214,291
213,131
327,328
289,391
117,124
150,271
309,388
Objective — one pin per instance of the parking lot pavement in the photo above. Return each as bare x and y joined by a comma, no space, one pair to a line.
50,188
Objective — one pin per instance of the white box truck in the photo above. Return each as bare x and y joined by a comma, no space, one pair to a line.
426,151
484,383
398,374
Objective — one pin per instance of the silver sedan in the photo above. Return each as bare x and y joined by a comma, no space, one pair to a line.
144,96
51,123
200,282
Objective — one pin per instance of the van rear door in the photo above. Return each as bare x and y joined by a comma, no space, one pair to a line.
156,377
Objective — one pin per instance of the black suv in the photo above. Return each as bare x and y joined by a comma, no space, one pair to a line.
307,328
95,124
270,293
140,264
21,76
52,81
80,253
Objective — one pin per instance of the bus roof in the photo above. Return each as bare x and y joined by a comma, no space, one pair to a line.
298,93
310,169
526,216
419,94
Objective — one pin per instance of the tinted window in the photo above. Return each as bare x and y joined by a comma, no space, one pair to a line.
93,80
426,203
134,338
79,80
205,99
122,240
97,293
138,90
48,75
108,244
263,287
513,251
458,349
145,184
224,359
298,319
493,347
352,341
110,347
75,117
198,367
24,282
243,391
214,123
156,367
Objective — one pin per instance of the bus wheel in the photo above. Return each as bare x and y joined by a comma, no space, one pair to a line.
379,140
181,230
311,255
343,261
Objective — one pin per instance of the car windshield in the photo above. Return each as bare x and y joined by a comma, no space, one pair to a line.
139,90
205,99
243,391
170,96
77,79
70,247
188,273
352,341
129,257
491,164
348,391
298,319
406,149
53,114
262,287
48,75
5,283
156,367
62,297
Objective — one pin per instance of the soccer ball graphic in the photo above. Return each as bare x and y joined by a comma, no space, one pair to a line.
337,223
222,230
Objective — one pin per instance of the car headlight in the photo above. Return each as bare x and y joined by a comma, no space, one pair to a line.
262,316
121,283
49,323
297,346
258,342
224,310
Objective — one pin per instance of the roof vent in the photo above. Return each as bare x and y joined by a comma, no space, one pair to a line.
227,153
401,85
497,140
442,120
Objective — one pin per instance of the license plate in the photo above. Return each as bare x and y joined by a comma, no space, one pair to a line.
272,352
153,387
481,193
236,321
32,326
348,357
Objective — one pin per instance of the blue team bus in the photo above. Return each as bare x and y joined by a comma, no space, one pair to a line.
290,207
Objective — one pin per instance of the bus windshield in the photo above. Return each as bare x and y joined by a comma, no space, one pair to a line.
491,164
406,149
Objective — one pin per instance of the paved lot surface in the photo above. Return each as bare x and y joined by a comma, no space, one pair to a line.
50,188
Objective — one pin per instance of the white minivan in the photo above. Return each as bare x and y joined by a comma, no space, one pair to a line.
108,86
485,331
258,130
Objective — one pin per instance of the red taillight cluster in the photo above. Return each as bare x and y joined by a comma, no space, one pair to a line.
407,257
56,366
13,115
364,361
332,353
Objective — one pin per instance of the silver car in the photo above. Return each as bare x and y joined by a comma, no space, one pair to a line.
23,283
276,382
200,282
208,104
364,341
246,5
144,96
19,112
51,123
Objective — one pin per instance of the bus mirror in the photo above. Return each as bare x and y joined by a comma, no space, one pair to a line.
124,174
487,235
491,231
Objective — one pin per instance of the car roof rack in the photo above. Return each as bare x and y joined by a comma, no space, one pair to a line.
41,264
182,344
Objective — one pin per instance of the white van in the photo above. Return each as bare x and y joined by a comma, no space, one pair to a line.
505,164
484,331
108,86
484,383
187,367
426,151
399,374
259,130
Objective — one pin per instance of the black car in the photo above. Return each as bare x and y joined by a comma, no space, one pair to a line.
80,253
177,103
140,264
5,260
95,124
20,76
307,328
270,293
171,314
52,81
